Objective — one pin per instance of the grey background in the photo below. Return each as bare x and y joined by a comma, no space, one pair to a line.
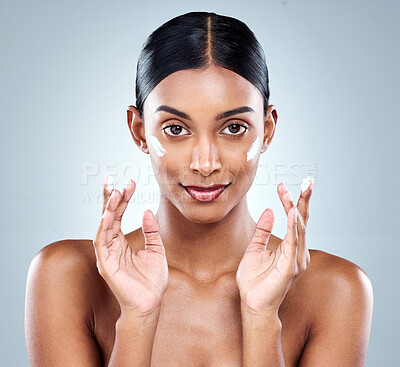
67,76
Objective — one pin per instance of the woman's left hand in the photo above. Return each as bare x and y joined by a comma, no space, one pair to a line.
263,276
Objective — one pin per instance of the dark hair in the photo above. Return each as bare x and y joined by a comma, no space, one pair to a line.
194,41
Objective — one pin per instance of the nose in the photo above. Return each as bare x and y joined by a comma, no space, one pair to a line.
205,157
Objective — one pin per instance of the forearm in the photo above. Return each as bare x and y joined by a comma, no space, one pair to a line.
134,337
262,345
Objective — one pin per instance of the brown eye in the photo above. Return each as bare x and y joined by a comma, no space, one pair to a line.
174,129
235,129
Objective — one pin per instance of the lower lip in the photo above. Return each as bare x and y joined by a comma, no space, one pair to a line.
205,195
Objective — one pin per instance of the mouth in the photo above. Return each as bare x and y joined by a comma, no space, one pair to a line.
205,193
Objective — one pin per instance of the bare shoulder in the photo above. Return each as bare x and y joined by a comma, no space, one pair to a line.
330,277
61,288
69,262
69,247
339,297
332,281
330,273
72,255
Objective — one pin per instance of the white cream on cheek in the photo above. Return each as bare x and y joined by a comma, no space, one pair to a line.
252,152
160,150
157,146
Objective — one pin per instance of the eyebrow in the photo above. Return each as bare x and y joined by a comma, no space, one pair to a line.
220,116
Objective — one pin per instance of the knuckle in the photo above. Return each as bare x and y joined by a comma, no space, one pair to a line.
152,237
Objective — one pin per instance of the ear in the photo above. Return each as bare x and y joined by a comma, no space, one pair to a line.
269,126
136,127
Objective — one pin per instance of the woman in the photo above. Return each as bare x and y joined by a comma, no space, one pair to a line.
200,283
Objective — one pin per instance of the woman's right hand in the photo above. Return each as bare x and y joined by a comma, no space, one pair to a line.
137,279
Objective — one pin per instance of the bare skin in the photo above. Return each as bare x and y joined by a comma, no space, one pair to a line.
72,310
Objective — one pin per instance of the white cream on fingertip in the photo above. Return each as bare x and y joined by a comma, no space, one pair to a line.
306,183
252,152
157,146
109,181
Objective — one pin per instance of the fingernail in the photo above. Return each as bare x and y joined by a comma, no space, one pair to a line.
289,196
284,186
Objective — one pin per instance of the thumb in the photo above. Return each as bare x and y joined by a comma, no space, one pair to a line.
151,232
263,231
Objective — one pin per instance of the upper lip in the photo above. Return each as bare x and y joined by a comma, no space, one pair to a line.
209,187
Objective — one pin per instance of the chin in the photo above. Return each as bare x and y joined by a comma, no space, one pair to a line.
204,215
203,212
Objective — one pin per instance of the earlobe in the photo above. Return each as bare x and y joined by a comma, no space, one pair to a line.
269,126
136,127
264,146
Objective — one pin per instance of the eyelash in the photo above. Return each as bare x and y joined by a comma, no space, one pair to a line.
233,135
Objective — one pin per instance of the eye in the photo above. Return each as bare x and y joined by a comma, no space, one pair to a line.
235,128
174,129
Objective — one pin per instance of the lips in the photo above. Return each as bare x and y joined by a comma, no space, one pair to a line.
205,193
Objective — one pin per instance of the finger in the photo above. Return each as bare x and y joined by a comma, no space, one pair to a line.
122,205
151,232
291,244
108,186
287,201
262,232
303,255
101,240
285,197
303,203
111,207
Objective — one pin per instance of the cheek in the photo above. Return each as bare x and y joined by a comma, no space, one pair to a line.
243,164
253,150
157,146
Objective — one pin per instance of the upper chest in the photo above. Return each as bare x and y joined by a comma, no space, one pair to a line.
200,325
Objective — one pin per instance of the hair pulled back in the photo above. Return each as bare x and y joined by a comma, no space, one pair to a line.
196,40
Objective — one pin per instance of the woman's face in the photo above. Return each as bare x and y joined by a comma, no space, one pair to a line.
192,142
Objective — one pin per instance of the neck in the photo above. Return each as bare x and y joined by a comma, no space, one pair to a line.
205,251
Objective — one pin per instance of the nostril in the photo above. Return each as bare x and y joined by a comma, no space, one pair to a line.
205,158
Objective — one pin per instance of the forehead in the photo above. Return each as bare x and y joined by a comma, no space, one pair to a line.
214,88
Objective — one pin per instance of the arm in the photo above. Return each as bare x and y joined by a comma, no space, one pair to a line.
134,337
339,335
57,326
262,344
58,316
